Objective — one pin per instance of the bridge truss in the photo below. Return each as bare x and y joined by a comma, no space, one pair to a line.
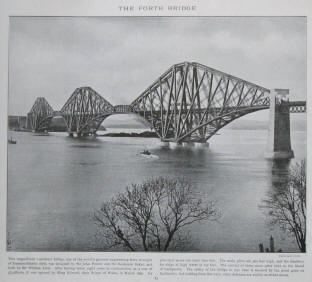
40,115
296,106
190,102
85,110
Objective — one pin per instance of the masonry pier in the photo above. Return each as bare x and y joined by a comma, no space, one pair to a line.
279,144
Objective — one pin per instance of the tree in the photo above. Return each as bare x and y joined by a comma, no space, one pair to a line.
151,216
287,205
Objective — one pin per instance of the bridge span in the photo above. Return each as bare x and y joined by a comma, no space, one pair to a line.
189,102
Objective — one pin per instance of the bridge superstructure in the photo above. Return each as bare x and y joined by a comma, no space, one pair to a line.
40,115
189,102
85,110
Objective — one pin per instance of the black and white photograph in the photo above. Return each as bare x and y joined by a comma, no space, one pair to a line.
157,134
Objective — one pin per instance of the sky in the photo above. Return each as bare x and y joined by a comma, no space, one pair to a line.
119,57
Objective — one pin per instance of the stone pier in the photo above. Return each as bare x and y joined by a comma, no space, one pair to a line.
202,144
188,144
279,144
165,144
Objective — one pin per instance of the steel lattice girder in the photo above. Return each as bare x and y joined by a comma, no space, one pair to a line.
85,110
191,102
40,115
296,106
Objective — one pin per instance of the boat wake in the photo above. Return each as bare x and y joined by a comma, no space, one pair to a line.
149,156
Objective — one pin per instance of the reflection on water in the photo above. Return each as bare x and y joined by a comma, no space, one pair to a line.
280,171
56,182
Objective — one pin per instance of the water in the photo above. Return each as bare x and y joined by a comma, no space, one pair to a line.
56,182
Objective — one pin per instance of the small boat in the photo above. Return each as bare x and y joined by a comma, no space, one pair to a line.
11,141
145,152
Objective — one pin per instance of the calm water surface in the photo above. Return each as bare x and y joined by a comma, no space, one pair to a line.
55,182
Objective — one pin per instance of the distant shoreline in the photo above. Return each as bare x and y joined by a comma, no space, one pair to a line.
145,134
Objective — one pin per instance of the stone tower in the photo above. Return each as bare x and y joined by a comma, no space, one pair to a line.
279,144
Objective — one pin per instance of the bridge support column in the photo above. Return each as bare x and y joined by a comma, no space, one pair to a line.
202,145
165,144
279,144
188,144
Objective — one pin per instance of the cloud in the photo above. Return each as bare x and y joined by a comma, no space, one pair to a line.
121,57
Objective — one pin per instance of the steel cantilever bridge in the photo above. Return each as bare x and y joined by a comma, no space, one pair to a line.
190,102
